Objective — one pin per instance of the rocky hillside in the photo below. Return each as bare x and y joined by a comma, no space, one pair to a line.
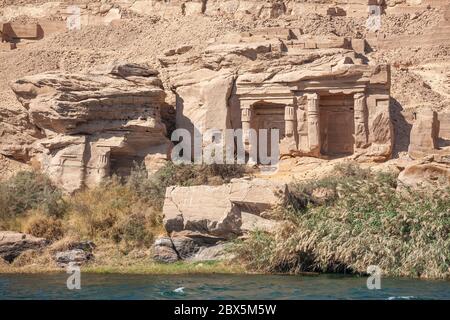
413,38
90,92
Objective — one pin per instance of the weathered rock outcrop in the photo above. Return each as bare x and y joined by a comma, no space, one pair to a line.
12,244
431,173
203,209
97,123
319,92
201,217
424,134
188,245
218,210
75,257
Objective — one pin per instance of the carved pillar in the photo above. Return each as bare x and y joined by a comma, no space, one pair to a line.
289,117
246,117
360,116
313,123
103,165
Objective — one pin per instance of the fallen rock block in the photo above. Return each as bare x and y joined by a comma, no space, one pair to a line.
252,222
425,175
213,253
220,210
257,195
187,243
12,244
75,257
163,251
203,209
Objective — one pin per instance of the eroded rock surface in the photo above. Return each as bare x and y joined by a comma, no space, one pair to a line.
427,174
201,217
12,244
75,257
95,124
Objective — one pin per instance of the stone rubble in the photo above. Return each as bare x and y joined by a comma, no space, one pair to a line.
12,244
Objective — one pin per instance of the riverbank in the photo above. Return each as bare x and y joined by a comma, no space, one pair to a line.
207,267
342,224
356,219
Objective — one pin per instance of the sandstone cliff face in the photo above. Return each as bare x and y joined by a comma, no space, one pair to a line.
95,124
319,92
260,50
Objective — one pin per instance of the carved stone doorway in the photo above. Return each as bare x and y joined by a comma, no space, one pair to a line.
337,125
268,116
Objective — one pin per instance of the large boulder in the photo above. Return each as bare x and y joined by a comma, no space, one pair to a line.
190,246
187,243
425,174
218,210
204,209
96,123
72,257
12,244
164,251
213,253
199,219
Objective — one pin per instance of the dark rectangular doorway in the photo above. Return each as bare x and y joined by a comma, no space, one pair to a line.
337,125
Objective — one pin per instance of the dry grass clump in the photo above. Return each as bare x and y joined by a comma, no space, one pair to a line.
43,226
34,258
366,223
25,191
115,212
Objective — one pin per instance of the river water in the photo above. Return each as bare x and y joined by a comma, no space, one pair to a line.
116,286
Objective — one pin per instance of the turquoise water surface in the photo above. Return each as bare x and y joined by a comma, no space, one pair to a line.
116,286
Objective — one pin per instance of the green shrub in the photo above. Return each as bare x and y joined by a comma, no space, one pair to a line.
368,222
30,190
257,251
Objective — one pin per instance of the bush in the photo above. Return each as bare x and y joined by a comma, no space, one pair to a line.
258,251
367,223
113,211
30,190
94,212
137,229
43,226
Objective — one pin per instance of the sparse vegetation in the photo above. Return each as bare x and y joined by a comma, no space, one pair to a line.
25,191
43,226
122,217
365,222
342,223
